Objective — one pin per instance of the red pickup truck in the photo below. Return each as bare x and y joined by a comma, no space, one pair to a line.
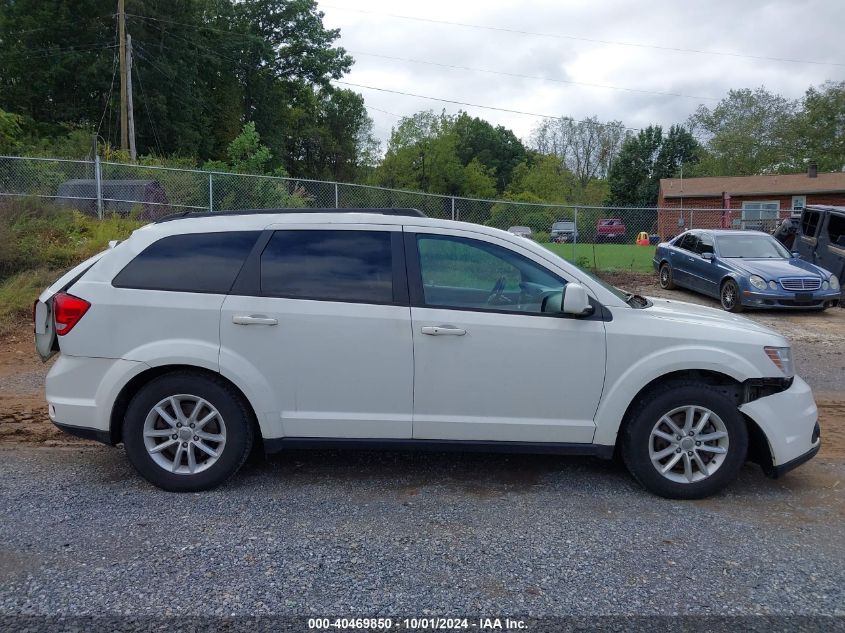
610,230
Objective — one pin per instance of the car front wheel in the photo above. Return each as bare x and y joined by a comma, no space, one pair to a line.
685,441
187,432
729,296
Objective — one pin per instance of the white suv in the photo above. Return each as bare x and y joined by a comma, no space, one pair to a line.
200,337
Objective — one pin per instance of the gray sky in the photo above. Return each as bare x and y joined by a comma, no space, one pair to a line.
803,30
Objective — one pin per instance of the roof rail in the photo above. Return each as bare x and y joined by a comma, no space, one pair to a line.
414,213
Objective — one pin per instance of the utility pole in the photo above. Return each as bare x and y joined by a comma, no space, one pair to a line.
130,112
121,35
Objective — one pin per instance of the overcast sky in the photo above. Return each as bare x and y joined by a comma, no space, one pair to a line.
791,29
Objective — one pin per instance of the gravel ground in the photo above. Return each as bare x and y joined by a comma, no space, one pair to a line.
360,533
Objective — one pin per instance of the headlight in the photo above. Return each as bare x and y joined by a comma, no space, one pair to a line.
782,358
825,285
758,282
834,282
773,285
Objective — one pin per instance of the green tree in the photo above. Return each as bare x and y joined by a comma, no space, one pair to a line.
422,155
201,69
544,177
820,126
479,181
10,132
496,148
748,132
634,178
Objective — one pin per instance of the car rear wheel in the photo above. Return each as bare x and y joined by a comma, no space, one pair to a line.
729,296
186,432
686,441
666,281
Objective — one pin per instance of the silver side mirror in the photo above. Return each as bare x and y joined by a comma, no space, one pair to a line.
708,256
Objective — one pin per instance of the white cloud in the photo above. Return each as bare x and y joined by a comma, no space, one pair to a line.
808,30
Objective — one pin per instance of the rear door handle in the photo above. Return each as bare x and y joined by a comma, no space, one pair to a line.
253,319
443,330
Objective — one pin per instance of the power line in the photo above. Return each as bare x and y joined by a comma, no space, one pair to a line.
196,26
506,74
586,39
111,88
150,116
476,105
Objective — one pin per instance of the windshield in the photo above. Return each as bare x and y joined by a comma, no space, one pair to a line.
562,226
751,247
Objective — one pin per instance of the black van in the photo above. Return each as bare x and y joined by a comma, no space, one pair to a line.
822,238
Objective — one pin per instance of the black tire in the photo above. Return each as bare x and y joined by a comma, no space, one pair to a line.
667,281
637,435
729,296
216,391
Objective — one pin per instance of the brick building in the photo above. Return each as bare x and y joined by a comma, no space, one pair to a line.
753,202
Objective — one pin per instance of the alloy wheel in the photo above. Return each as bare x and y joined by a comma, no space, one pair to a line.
184,434
688,444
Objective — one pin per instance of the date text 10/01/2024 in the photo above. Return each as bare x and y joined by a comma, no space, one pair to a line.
417,624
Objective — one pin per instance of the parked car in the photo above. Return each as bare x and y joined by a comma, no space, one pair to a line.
610,230
822,238
521,231
563,231
198,337
744,269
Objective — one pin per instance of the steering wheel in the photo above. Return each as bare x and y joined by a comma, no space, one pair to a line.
496,297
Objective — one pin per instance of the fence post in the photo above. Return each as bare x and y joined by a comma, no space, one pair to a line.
690,219
210,192
98,180
453,207
575,238
336,197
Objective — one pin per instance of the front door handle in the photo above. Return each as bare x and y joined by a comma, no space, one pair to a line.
253,319
443,330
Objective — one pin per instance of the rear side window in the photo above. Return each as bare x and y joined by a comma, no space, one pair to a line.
329,265
193,262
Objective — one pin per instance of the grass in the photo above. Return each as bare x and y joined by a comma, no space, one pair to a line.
609,257
18,292
38,242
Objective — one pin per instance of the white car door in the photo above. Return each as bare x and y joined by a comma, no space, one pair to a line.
489,365
329,329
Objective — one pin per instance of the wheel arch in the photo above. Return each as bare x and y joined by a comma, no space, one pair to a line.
759,450
134,385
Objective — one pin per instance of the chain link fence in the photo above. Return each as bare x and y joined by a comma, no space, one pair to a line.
605,238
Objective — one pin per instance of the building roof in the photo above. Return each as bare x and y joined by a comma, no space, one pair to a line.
780,184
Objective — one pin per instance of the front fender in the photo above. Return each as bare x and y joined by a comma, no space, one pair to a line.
621,389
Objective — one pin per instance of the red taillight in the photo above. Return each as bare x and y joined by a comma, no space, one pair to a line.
68,310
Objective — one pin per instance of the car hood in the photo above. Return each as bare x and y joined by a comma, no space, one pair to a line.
695,314
777,268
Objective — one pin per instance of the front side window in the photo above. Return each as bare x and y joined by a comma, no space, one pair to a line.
465,273
192,262
705,244
333,265
810,223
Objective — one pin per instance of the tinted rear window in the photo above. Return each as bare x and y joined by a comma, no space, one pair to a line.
329,265
194,262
